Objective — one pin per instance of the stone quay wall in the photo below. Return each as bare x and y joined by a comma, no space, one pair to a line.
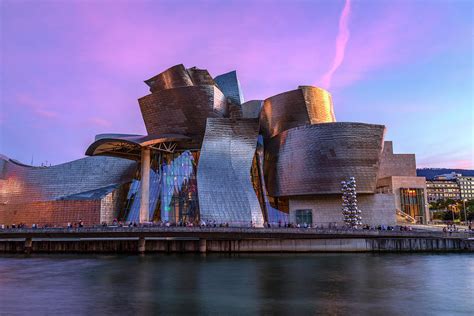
221,241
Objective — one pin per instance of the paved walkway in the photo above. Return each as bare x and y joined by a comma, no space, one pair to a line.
435,228
221,233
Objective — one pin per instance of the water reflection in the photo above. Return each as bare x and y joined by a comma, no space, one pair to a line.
238,284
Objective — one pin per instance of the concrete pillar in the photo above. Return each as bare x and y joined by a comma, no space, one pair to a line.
145,186
202,245
28,245
141,245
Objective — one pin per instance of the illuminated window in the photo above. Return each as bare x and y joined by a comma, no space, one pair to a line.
413,203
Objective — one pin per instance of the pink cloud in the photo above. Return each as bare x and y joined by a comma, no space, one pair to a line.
341,42
36,106
448,156
46,114
97,121
447,163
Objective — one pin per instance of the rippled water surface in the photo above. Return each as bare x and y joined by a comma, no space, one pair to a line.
289,284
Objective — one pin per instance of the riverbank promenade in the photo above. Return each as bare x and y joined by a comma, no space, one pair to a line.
228,239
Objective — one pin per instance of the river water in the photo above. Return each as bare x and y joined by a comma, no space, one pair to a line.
244,284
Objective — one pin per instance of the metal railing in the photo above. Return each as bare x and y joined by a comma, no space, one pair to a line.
406,216
259,232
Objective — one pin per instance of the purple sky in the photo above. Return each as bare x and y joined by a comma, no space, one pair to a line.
73,69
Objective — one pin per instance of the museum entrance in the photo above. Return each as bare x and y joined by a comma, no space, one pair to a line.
413,203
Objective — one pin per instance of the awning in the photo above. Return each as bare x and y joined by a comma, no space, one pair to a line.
130,146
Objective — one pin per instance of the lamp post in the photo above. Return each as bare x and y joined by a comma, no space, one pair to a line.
464,207
452,211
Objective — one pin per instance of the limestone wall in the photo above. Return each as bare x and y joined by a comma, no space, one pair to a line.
396,164
395,183
377,209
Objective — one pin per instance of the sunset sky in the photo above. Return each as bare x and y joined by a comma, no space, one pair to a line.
74,69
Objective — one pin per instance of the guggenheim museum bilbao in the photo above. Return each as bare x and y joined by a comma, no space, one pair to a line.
210,156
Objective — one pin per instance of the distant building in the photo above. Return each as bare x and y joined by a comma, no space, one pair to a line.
432,173
466,187
452,186
448,176
442,189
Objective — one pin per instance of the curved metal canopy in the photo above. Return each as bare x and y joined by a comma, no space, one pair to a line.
130,146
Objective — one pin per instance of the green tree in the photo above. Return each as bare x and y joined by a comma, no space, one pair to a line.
470,210
448,215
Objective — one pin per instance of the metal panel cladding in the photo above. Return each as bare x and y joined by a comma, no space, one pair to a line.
200,77
314,159
251,109
225,189
305,105
24,184
174,77
229,84
89,189
182,110
178,76
319,104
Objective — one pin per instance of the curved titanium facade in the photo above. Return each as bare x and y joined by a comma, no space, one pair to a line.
230,86
174,77
305,105
22,183
182,110
225,187
78,186
200,77
319,105
314,159
251,109
178,76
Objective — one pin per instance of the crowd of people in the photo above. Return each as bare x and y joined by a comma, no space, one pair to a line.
78,224
251,224
449,228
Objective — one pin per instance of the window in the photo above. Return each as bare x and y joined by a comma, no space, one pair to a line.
304,217
413,203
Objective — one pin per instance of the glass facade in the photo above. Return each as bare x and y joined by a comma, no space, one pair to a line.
275,215
278,209
413,203
132,210
173,189
304,217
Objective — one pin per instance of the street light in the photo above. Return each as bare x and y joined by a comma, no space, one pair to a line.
464,206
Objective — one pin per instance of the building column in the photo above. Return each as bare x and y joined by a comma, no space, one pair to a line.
145,186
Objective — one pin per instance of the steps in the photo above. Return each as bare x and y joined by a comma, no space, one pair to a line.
406,216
